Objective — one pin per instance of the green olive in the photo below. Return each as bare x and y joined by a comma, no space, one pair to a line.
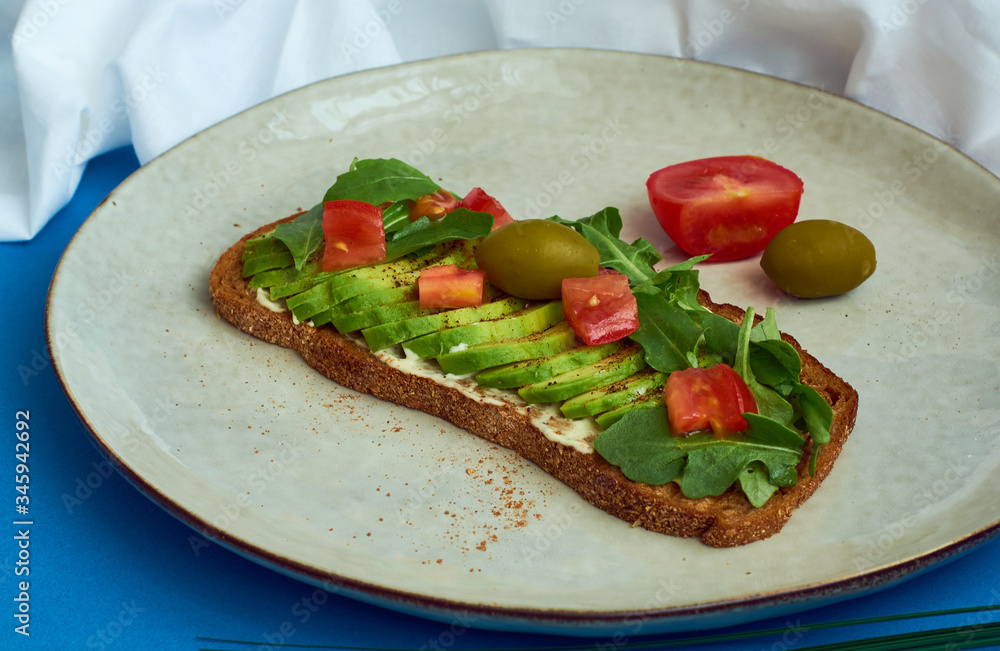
530,258
818,257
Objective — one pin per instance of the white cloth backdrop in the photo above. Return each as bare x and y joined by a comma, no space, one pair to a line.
82,77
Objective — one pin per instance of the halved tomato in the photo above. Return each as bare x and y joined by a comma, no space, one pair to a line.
479,201
434,206
601,308
448,285
714,398
355,234
729,206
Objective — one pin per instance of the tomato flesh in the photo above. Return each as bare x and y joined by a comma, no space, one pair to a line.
354,234
450,286
434,206
479,201
729,206
701,399
600,309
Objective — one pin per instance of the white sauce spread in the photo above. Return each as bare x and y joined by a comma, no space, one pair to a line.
577,434
264,299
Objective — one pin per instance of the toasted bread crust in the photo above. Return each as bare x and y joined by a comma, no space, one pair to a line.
724,521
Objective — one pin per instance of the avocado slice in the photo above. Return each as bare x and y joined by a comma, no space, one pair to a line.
330,291
388,275
265,262
263,245
264,253
375,316
390,334
609,370
614,395
530,320
358,281
298,285
283,276
556,339
309,303
648,401
378,298
384,273
519,374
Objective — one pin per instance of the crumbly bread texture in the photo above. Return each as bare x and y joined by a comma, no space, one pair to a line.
724,521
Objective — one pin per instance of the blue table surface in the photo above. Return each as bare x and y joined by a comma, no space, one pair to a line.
108,569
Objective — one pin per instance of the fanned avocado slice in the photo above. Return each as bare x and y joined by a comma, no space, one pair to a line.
614,395
519,374
376,316
648,401
556,339
606,371
532,319
390,334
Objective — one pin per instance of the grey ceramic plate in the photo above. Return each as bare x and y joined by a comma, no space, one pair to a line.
245,443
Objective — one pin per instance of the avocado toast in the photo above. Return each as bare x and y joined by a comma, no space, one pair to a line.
513,372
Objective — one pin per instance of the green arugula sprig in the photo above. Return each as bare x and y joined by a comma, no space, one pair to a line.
380,180
459,224
775,366
761,459
302,235
676,332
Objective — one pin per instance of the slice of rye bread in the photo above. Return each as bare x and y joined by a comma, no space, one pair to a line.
724,521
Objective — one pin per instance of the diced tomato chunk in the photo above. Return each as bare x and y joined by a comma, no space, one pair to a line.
600,309
700,399
355,234
448,285
434,206
479,201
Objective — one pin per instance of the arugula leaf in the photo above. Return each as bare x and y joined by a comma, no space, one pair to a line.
818,417
769,402
716,464
768,431
640,444
459,224
679,283
767,328
721,335
688,265
667,333
761,459
396,216
302,235
776,363
379,180
756,484
601,229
